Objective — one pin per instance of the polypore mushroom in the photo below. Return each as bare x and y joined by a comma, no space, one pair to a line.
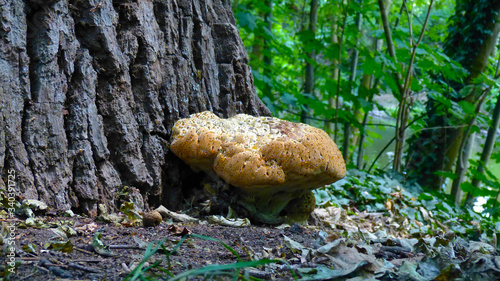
269,161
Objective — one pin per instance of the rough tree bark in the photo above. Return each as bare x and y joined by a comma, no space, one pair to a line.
90,89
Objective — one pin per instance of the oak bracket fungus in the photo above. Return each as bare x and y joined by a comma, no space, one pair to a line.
273,164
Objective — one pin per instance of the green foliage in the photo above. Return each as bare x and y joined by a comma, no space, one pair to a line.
128,208
438,86
280,84
490,189
369,191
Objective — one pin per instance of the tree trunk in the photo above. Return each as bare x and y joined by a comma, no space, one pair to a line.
91,89
333,103
489,144
367,84
352,78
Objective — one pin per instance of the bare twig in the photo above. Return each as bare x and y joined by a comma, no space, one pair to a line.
86,260
390,43
84,268
29,276
124,247
83,251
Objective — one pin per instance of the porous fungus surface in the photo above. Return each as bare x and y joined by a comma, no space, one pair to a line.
258,154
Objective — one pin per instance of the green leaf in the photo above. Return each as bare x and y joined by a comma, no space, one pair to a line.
128,209
440,98
467,187
409,212
425,196
475,129
446,174
443,206
288,99
467,107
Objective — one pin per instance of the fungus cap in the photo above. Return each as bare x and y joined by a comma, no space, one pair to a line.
258,154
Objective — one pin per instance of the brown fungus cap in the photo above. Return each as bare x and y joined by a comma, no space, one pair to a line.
259,155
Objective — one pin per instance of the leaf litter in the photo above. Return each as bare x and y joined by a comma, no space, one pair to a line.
387,242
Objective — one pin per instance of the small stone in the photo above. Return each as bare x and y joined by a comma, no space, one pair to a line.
152,218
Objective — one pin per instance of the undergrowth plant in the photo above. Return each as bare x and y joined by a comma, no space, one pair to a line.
428,213
209,272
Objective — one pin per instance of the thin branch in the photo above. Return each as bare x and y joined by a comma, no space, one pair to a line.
405,104
390,43
403,7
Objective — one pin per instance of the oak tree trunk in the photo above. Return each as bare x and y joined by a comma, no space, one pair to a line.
90,89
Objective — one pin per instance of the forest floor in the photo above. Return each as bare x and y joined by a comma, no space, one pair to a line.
334,246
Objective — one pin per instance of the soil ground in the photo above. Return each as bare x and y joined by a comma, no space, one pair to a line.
85,264
350,248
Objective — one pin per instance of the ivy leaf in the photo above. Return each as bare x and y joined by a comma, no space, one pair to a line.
467,187
496,157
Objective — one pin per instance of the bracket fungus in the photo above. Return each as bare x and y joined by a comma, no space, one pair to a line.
272,163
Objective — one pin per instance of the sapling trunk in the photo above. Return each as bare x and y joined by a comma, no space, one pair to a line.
405,99
489,144
337,94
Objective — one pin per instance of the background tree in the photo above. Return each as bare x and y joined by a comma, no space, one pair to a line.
472,39
310,34
435,61
90,89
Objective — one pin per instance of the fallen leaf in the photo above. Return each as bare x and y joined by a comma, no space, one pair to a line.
176,230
